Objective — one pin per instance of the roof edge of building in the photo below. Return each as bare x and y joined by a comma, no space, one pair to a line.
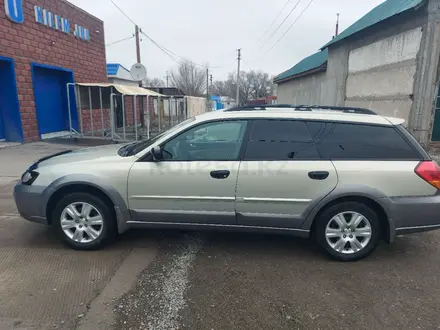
82,10
321,68
306,66
417,4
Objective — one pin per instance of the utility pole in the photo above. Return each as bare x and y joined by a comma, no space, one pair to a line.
210,78
238,77
138,45
138,49
337,25
167,77
208,106
138,59
207,84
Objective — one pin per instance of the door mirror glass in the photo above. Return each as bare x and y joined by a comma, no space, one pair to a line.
157,153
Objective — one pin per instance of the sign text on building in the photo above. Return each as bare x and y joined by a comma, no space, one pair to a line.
57,22
14,10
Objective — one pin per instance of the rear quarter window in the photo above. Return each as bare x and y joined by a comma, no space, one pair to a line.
341,141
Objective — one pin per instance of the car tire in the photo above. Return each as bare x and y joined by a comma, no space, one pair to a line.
348,231
93,233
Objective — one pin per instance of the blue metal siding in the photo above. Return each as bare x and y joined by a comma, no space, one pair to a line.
112,69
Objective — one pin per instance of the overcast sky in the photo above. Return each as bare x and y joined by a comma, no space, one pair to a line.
210,31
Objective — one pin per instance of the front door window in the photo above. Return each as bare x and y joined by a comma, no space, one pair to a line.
220,141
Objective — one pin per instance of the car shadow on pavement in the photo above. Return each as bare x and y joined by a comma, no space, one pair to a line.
264,245
273,245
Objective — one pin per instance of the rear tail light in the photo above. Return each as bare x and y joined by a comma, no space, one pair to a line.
430,172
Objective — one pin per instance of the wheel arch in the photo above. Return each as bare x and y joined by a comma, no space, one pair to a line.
371,197
89,184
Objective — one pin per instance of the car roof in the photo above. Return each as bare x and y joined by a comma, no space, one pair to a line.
291,113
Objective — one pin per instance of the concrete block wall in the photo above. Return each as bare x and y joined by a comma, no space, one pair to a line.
33,42
381,75
306,90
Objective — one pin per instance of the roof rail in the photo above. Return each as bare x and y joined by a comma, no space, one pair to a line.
302,108
250,107
334,108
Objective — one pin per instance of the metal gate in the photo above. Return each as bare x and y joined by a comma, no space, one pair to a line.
106,113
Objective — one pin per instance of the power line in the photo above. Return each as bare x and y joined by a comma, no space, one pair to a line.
116,42
168,52
311,1
161,48
173,55
273,22
279,26
123,13
246,63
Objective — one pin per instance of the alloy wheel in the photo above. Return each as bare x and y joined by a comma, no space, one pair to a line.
82,222
348,232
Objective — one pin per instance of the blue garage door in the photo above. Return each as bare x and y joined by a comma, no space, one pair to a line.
10,120
51,99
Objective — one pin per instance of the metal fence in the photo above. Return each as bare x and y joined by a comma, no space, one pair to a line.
104,113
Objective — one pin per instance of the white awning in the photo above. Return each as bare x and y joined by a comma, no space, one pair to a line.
124,89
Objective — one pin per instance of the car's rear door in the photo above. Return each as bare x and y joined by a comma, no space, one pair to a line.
281,175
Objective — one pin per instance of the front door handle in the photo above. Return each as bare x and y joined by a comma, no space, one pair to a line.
319,175
220,174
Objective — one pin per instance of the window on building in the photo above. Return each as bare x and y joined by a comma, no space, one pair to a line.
280,140
340,141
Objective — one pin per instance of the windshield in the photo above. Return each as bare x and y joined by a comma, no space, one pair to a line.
136,147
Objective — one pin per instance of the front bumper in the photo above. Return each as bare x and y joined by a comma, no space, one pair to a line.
415,214
31,203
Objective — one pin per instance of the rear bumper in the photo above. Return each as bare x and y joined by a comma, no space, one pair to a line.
31,203
414,214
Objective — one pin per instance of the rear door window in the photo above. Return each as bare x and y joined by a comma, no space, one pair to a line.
341,141
280,140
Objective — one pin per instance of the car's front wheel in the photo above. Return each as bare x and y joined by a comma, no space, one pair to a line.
83,221
348,231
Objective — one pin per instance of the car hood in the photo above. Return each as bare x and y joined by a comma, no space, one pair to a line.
80,155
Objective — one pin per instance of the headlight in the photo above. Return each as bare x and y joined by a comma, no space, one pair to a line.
29,177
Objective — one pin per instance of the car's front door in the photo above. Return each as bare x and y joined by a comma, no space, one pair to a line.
195,181
281,175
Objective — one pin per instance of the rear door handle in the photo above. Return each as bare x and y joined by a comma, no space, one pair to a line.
319,175
220,174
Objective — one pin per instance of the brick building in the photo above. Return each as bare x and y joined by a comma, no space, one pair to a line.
44,45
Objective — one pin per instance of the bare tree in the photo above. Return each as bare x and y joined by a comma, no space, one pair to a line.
259,83
190,79
220,88
244,87
155,82
253,85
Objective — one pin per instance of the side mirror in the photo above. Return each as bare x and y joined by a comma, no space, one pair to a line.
157,153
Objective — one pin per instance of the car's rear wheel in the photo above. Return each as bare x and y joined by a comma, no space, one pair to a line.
348,231
83,221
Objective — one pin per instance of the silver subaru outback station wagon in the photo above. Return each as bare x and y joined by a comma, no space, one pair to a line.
346,177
